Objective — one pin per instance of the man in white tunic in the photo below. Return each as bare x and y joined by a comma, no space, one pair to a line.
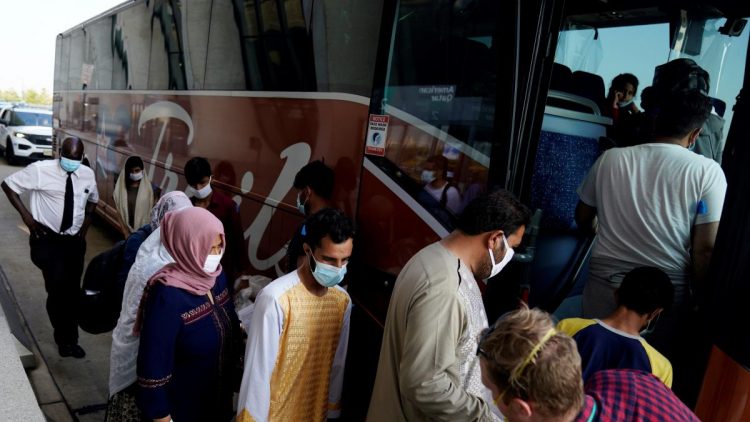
428,368
298,334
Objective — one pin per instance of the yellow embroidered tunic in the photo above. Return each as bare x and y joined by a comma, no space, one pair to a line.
294,361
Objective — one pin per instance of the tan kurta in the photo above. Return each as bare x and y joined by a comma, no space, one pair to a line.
419,372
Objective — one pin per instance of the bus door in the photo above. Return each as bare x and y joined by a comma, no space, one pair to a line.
445,125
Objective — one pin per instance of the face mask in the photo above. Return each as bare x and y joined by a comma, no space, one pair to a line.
622,104
212,263
300,204
497,267
69,165
136,176
203,192
650,326
327,275
428,176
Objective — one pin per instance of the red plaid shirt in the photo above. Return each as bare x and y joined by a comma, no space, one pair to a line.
624,395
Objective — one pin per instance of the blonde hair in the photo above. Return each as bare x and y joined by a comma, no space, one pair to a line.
529,360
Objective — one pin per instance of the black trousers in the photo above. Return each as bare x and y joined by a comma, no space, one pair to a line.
61,260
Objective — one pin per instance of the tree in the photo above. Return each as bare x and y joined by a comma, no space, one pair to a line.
42,97
10,95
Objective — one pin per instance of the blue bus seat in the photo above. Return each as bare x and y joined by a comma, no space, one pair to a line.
568,146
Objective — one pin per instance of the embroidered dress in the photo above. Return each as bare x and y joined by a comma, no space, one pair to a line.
187,353
295,354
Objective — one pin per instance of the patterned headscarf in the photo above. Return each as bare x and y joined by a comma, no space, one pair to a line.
171,201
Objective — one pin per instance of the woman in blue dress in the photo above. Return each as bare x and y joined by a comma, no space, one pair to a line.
190,336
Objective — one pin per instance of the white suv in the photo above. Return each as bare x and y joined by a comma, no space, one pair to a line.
26,134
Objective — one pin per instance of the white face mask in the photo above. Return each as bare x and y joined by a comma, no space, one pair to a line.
624,103
428,176
497,267
136,176
203,192
212,263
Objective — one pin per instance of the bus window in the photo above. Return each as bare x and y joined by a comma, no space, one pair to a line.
224,67
99,53
131,44
722,56
77,44
441,88
608,52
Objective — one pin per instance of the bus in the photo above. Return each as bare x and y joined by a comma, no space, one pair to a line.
508,93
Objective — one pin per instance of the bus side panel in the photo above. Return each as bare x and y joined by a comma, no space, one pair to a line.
725,392
256,146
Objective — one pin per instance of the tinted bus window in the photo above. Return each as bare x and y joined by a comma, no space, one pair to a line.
99,53
58,84
195,37
442,83
77,44
132,47
224,66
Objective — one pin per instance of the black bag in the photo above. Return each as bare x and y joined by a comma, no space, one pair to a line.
100,298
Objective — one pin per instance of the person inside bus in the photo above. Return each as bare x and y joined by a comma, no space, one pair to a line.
534,373
189,332
134,196
314,183
615,342
299,331
150,257
437,185
199,177
657,204
620,106
428,368
620,100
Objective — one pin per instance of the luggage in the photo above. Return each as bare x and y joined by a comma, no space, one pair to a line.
100,298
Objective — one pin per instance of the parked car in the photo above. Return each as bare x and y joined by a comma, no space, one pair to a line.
25,134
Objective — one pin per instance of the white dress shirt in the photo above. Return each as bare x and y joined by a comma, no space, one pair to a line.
46,182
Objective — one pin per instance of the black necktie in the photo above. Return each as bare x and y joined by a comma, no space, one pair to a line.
67,219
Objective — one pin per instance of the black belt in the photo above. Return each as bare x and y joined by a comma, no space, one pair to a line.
49,231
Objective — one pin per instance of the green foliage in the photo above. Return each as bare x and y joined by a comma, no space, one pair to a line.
29,96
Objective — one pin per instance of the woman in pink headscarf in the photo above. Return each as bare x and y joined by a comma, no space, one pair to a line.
189,331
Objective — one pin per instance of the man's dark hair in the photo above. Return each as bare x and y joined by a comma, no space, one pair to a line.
645,289
318,177
680,75
680,113
328,222
196,169
441,165
133,162
499,210
622,79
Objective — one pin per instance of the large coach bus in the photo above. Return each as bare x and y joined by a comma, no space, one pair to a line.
508,93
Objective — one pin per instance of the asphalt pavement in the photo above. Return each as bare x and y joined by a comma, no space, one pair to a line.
67,389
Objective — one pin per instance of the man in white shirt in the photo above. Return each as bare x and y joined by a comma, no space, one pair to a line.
63,196
659,205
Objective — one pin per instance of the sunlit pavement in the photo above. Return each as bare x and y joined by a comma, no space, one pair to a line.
67,389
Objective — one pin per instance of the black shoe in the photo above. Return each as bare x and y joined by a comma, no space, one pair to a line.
74,350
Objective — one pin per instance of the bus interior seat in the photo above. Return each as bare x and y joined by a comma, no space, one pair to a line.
562,162
589,85
720,106
568,101
562,78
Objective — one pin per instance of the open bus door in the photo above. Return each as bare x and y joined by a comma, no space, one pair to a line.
726,384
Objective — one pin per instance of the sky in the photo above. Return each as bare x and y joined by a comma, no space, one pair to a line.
28,31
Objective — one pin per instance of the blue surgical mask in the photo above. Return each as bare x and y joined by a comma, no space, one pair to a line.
69,165
327,275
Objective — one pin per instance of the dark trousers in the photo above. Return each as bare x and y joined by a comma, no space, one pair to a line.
61,260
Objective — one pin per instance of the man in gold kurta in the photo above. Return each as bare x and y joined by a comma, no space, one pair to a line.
296,349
